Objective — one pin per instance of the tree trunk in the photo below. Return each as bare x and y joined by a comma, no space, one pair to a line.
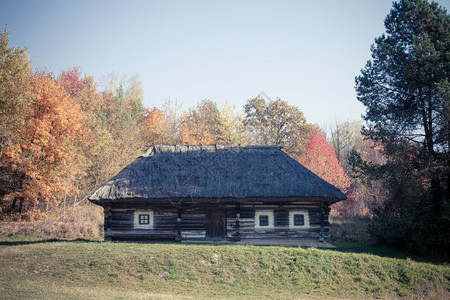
426,127
13,204
20,207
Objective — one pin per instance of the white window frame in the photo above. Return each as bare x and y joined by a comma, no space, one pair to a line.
143,226
268,213
305,219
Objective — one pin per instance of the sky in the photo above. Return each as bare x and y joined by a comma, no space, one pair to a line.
304,52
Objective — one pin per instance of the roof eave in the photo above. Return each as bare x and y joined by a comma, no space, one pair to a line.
220,200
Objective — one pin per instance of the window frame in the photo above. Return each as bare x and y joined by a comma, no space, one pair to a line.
137,219
305,214
270,219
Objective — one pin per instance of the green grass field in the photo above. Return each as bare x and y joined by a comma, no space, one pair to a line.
32,268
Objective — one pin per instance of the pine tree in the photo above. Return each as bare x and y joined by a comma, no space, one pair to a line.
405,90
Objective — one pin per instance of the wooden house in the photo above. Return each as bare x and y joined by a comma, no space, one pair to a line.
215,193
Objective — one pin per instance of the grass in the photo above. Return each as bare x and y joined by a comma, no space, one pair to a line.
82,221
82,269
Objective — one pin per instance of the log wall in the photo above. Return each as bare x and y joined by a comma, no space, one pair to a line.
119,221
247,230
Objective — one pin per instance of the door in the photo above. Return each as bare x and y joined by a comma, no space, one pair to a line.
216,224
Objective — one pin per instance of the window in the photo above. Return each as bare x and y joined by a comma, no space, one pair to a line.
264,219
299,219
143,219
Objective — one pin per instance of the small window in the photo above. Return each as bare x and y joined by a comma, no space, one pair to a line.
299,220
263,220
143,219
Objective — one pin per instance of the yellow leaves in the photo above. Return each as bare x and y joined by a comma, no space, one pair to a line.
230,127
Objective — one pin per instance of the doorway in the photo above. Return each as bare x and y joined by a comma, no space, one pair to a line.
216,224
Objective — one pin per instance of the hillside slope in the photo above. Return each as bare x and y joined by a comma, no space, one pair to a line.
79,269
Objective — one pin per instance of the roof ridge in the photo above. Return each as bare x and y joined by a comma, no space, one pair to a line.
159,148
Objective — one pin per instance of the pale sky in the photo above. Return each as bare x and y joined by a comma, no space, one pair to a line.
305,52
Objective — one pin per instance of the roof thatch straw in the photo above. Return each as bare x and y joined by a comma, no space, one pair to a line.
212,172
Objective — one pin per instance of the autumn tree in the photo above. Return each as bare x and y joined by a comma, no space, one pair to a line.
154,125
230,126
402,89
199,124
46,151
98,147
321,159
125,113
15,109
15,96
277,123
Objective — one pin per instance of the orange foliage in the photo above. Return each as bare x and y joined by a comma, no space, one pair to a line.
199,124
196,130
46,153
153,124
320,158
191,135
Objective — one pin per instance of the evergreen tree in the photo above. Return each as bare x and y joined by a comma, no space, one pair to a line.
400,84
405,90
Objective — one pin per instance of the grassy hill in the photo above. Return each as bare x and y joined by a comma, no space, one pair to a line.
33,268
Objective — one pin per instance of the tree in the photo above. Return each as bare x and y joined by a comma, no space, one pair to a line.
163,124
399,86
320,158
277,123
154,127
46,151
15,97
230,126
348,141
199,124
403,88
344,137
98,146
15,109
123,114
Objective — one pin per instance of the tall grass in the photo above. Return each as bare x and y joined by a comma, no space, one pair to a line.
83,221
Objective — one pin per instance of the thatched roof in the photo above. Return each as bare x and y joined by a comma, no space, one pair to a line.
214,172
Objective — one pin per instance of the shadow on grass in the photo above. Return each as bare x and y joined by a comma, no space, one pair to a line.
370,247
17,242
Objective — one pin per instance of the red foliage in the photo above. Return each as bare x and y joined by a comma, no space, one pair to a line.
321,159
72,79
